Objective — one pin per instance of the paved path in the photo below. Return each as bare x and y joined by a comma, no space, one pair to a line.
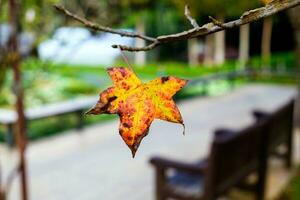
95,164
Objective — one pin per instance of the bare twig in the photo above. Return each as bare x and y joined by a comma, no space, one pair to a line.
217,22
247,17
129,48
187,13
98,27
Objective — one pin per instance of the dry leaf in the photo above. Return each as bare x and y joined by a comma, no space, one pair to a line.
138,104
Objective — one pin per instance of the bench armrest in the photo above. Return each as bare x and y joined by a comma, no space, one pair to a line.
181,166
258,114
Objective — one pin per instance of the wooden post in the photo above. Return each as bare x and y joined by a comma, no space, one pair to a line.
20,132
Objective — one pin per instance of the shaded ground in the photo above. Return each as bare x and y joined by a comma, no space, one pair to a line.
292,191
96,164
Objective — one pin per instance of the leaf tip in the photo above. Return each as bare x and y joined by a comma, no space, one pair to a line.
134,148
90,112
185,81
133,152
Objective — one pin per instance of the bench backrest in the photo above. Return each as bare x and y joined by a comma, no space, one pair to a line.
233,156
281,124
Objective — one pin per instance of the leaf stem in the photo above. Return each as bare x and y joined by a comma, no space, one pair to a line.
126,60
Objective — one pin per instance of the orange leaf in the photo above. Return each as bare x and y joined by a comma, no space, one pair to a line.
138,104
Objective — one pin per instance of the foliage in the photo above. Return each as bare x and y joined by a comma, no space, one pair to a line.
137,4
278,62
220,8
138,104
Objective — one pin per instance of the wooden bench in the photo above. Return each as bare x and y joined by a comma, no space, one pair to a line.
77,106
280,131
233,157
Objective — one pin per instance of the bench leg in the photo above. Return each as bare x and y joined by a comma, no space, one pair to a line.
288,156
80,119
289,153
9,137
260,192
262,170
159,184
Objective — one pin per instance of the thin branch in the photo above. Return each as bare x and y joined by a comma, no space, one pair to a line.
217,22
187,14
130,48
98,27
247,17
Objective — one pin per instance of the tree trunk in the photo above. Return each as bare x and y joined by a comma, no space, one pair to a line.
140,57
219,48
295,20
20,132
219,53
209,50
244,44
266,40
193,51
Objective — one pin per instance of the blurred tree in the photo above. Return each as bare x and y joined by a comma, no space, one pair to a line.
3,45
38,17
215,44
104,12
193,51
138,10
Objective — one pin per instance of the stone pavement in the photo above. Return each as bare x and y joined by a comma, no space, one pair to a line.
95,164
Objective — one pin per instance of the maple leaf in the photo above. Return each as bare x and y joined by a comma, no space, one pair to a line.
138,104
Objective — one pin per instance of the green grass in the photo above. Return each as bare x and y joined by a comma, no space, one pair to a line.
279,62
292,191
